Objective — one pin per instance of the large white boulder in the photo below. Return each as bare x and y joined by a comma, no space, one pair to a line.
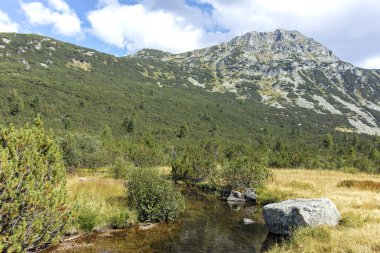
283,217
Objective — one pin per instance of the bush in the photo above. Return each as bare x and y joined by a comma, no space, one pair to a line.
120,168
87,221
242,172
120,220
196,163
33,209
154,197
81,150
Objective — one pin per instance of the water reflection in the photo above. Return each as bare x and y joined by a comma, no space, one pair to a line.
207,225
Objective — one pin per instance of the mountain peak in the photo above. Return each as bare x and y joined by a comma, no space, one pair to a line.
287,43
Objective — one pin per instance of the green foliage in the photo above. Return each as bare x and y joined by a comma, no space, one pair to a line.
16,104
87,220
154,197
120,220
129,125
120,168
243,172
183,130
82,150
195,163
33,209
328,141
84,102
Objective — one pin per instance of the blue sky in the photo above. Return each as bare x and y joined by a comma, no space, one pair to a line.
351,28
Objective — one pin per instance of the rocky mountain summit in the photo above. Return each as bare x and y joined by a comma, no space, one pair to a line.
287,70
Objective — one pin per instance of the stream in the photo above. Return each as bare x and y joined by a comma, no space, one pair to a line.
207,225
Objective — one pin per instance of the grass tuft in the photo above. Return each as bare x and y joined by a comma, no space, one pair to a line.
353,220
361,185
359,228
101,203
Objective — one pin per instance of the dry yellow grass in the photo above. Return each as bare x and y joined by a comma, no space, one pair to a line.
359,230
100,196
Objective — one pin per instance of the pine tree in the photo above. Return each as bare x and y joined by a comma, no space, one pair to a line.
328,141
33,209
130,126
16,104
183,130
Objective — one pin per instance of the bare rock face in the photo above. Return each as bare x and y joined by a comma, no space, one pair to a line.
281,218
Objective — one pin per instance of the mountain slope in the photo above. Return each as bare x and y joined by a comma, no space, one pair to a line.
285,69
280,76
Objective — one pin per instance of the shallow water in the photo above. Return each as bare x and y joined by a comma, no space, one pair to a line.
207,225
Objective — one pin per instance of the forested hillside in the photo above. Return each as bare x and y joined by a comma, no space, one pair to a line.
149,111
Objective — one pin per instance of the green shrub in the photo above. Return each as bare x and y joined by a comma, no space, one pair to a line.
195,163
120,220
87,221
242,172
154,197
33,209
120,168
82,150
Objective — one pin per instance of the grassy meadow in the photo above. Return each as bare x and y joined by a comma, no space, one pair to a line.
359,206
100,200
358,203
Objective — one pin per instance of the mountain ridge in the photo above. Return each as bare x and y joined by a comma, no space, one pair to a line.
282,69
287,69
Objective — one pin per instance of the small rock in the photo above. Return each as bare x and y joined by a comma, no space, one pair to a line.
250,194
236,196
146,226
281,218
247,221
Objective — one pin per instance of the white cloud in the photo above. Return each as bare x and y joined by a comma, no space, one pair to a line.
6,24
135,27
58,14
348,27
371,63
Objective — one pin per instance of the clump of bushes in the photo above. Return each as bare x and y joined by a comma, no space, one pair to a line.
33,197
154,197
236,168
243,172
82,150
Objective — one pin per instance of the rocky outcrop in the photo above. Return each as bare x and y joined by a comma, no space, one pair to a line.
281,218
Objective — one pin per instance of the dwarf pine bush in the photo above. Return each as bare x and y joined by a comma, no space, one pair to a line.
154,197
33,209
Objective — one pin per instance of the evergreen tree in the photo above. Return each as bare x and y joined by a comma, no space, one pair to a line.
130,126
33,209
16,104
328,141
183,130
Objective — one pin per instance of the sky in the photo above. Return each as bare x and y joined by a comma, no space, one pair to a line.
350,28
